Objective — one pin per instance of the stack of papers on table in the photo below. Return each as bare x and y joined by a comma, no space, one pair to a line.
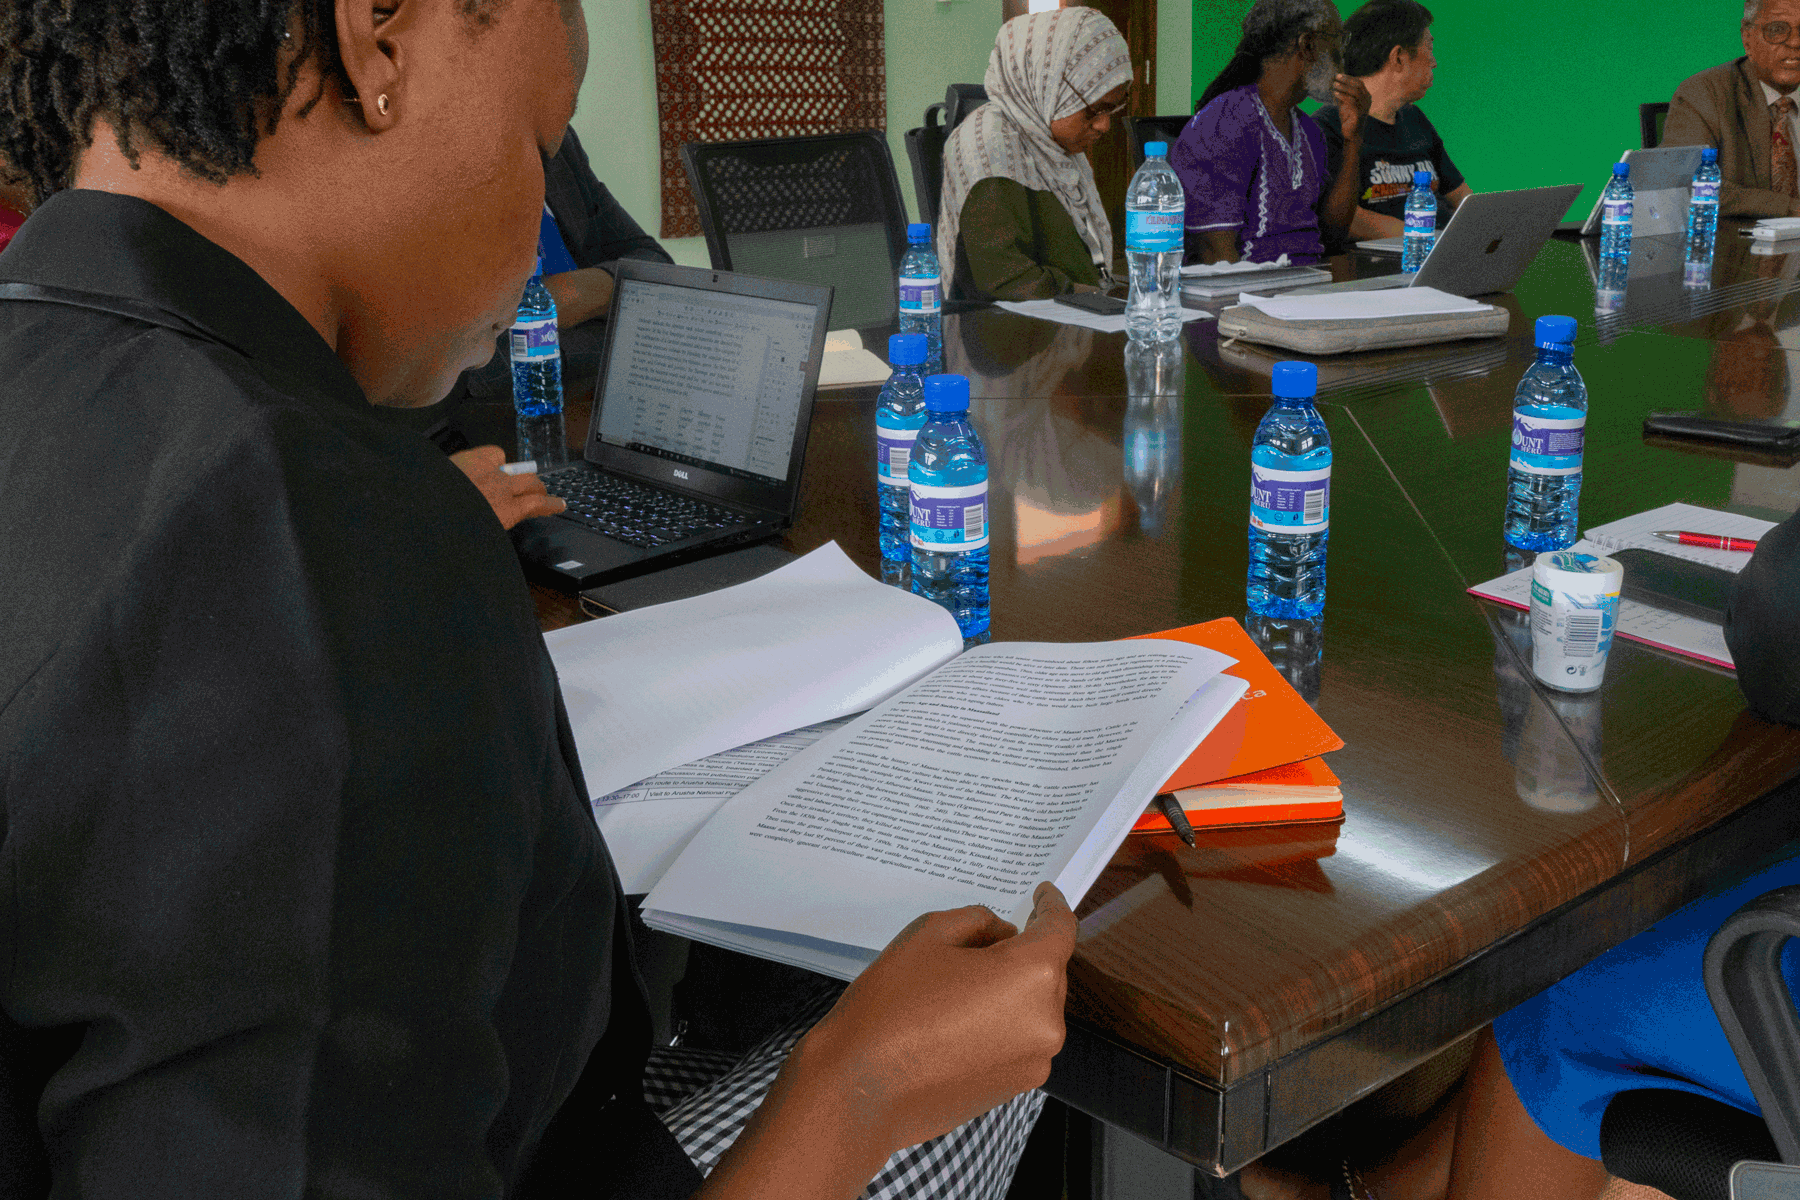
846,364
1206,281
1050,310
1369,306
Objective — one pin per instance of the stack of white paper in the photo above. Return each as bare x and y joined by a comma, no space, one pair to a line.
1050,310
1369,306
661,686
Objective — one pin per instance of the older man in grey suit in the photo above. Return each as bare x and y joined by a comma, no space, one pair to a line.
1748,108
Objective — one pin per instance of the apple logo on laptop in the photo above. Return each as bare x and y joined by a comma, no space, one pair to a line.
1494,245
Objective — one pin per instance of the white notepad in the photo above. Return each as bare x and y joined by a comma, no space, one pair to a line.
1634,533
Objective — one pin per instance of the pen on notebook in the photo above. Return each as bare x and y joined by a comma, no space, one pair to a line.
1712,541
528,467
1171,808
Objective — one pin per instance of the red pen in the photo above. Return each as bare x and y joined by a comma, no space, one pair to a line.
1712,541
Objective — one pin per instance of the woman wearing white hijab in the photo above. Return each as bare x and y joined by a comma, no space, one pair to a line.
1020,217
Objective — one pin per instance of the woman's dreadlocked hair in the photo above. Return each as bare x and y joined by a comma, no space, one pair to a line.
1270,27
202,80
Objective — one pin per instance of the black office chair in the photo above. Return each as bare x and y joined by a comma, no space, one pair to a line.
1651,119
925,143
925,151
822,209
1139,130
961,99
1684,1144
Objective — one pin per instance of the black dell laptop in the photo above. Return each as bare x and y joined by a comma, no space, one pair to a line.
699,427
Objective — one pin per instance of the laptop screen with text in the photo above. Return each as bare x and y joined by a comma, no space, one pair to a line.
706,377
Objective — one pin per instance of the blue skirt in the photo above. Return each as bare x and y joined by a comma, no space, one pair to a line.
1636,1017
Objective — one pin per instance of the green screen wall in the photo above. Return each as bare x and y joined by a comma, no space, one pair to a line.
1533,92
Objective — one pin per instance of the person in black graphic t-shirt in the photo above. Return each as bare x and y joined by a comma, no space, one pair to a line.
1387,44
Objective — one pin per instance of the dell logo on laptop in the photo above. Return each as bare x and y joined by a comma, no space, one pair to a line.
679,474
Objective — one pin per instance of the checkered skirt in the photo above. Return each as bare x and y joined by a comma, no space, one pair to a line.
705,1097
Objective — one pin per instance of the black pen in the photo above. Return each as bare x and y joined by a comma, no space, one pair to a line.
1171,808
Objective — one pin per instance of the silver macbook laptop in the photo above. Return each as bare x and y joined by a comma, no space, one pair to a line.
1660,180
699,425
1490,240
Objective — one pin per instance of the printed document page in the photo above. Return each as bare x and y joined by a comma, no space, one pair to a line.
648,823
656,687
1014,763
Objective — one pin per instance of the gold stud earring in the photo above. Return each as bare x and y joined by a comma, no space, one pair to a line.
381,104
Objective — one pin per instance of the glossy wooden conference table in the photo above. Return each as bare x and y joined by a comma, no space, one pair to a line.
1496,835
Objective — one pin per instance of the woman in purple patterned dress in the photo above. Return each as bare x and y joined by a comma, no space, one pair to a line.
1251,163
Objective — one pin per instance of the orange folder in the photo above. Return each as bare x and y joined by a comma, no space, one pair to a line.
1301,791
1271,726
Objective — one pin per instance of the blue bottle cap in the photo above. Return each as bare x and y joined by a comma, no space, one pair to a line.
906,349
918,231
1295,380
1555,331
1156,149
946,393
1708,154
537,272
1621,170
1422,179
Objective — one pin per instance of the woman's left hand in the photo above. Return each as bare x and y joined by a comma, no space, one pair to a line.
1352,104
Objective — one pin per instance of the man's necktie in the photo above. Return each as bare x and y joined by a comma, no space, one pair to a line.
1786,171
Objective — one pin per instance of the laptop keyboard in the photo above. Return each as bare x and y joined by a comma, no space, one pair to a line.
635,514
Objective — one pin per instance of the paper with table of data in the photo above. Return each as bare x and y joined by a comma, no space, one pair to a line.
1013,763
1634,533
1657,627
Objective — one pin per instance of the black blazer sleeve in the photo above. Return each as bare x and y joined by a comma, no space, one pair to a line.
1762,625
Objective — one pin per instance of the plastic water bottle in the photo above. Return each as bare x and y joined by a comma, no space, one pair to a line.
1421,223
1703,220
1615,229
949,477
1550,408
537,375
922,294
1290,499
899,415
1155,216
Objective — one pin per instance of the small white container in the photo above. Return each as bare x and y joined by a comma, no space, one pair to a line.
1574,607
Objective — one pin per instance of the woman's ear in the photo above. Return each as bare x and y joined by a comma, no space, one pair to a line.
371,39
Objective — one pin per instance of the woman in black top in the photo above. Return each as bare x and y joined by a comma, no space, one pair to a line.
303,895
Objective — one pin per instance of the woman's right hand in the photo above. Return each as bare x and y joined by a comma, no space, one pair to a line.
959,1014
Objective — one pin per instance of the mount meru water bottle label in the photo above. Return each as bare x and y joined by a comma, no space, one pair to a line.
949,518
893,454
1543,445
534,340
1705,190
1616,212
1154,231
921,294
1421,222
1290,501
